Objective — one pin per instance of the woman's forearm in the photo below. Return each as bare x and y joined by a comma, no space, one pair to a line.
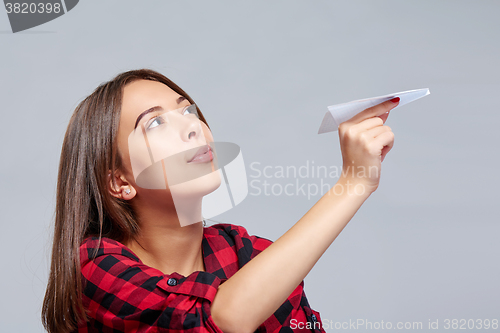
253,293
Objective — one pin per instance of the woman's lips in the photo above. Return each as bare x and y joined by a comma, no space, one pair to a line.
203,155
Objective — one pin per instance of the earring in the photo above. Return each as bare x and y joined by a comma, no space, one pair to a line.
127,191
204,223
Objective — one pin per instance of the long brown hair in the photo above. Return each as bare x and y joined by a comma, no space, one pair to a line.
84,206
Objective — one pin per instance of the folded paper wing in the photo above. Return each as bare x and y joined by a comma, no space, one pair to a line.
339,113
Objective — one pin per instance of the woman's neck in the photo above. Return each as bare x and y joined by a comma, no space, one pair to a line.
164,244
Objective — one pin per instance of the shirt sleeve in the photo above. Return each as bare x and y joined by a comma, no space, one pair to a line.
295,314
122,294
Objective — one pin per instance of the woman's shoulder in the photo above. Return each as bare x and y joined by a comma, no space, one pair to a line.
93,246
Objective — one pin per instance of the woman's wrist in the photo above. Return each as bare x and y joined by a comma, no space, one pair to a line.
353,186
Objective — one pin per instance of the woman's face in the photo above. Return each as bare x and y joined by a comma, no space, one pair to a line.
158,136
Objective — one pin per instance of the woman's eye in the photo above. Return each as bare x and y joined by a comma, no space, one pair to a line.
190,110
155,122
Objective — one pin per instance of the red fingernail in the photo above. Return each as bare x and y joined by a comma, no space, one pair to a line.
395,100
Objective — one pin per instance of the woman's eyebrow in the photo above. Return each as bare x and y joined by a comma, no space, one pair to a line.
154,108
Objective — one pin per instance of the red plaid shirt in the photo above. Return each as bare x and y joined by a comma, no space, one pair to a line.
125,295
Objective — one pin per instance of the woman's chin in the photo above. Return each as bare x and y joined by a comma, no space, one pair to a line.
198,187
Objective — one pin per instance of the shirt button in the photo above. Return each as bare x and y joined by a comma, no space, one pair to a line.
313,317
171,282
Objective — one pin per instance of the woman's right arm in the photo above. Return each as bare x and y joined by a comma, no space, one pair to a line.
256,291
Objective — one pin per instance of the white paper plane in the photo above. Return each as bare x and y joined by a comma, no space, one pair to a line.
341,112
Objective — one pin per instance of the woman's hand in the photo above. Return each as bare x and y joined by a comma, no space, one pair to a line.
364,141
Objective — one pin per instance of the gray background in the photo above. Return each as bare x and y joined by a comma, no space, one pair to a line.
423,247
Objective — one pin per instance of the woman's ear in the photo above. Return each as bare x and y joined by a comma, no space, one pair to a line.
121,189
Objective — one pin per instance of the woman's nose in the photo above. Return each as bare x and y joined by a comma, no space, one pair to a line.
191,129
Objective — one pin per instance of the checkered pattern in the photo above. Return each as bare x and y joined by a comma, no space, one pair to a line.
124,295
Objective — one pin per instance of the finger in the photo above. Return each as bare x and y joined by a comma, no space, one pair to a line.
384,139
385,150
384,116
368,124
376,110
374,132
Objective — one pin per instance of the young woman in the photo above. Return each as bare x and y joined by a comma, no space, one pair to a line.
123,262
